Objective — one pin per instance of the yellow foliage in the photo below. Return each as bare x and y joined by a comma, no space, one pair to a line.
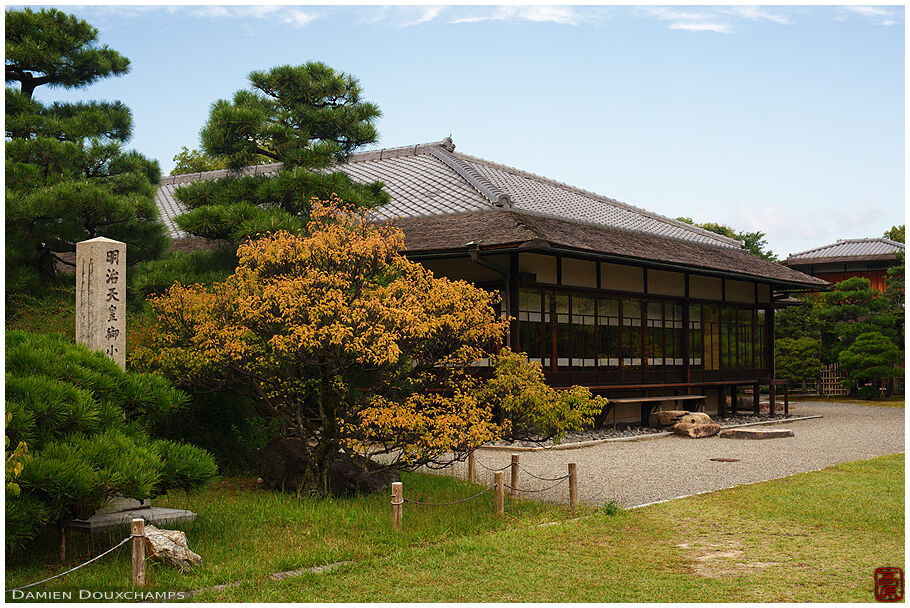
334,325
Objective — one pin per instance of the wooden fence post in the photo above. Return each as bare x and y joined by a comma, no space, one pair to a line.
500,496
472,468
514,483
137,531
573,485
397,503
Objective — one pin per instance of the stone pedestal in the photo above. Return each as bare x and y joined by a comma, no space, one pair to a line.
101,297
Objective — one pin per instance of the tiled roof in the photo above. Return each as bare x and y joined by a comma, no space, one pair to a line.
168,205
848,250
434,180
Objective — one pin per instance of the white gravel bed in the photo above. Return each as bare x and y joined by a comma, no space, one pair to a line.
640,472
634,430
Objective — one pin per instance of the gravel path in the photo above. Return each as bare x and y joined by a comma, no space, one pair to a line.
645,471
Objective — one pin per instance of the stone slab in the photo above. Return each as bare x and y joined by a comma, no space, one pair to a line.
153,515
755,433
120,503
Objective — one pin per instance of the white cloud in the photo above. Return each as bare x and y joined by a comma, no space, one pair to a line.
696,26
427,14
700,21
292,16
565,15
756,13
298,18
875,14
712,19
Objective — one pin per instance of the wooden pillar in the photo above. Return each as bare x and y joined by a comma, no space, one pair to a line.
514,482
472,467
787,399
397,503
769,341
500,494
61,540
772,391
722,402
138,534
756,396
573,485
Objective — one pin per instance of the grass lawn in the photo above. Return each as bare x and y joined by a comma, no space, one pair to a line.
811,537
893,401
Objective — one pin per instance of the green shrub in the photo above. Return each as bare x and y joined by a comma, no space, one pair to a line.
85,423
798,359
871,358
869,392
534,409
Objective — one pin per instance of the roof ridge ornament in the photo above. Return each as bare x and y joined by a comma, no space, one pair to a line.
480,183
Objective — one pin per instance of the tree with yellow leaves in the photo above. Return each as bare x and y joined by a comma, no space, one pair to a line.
343,341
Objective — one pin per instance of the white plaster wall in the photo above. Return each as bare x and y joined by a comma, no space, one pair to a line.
740,291
666,283
544,266
579,273
623,278
706,288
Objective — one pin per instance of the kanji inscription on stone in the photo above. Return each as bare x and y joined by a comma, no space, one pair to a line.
100,301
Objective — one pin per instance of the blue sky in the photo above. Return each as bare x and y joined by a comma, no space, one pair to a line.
788,120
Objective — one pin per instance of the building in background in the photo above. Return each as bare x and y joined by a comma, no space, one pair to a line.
601,293
868,258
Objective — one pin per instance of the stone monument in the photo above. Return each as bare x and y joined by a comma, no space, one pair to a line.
101,297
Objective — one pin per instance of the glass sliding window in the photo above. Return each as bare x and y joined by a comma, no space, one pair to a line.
711,321
582,331
745,338
760,361
654,337
530,323
562,329
631,333
608,332
673,334
695,336
728,338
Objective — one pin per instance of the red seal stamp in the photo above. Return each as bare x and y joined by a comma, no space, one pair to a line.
889,584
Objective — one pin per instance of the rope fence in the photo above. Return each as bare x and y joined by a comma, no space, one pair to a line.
97,557
499,486
138,575
445,504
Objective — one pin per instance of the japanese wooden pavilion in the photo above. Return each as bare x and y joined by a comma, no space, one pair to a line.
867,258
603,294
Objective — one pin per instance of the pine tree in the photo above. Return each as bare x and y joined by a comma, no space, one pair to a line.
67,176
305,117
86,424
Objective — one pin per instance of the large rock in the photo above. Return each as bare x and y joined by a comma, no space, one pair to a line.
665,418
169,546
282,462
695,425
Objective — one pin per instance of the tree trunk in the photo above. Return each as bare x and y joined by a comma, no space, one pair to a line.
315,481
316,477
